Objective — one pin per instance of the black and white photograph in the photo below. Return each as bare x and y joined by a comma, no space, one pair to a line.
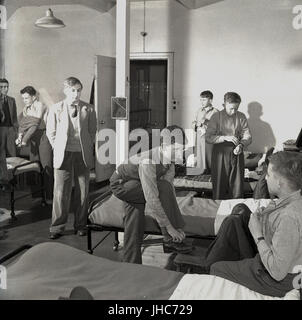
150,150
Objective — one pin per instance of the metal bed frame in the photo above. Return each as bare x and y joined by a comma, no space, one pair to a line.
97,227
13,183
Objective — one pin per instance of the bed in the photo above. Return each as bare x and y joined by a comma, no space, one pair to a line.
49,271
202,183
17,166
202,216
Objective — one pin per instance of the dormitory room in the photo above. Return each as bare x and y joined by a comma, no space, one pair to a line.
150,150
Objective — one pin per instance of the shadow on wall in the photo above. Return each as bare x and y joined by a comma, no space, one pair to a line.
262,133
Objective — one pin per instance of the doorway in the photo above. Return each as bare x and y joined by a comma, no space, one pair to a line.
148,94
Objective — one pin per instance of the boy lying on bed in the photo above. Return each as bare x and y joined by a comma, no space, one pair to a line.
145,181
262,250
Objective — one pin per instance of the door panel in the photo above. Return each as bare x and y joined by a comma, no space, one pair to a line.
148,94
104,90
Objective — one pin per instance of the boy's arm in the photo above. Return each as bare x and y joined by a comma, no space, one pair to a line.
245,134
278,256
147,175
51,126
170,174
212,130
92,123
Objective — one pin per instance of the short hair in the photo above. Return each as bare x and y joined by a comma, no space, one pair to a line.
72,81
206,94
289,166
174,133
3,80
232,97
30,90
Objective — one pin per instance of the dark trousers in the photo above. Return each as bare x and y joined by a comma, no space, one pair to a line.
40,149
3,165
234,256
134,220
227,172
7,140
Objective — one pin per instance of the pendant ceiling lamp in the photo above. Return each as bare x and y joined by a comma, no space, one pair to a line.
49,21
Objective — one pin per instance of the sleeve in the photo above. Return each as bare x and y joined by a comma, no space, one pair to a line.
51,125
194,122
212,130
147,174
278,257
40,110
92,124
246,137
14,116
170,174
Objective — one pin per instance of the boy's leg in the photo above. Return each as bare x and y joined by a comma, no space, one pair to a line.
81,188
234,241
28,134
46,158
252,274
134,220
3,164
10,143
236,178
62,193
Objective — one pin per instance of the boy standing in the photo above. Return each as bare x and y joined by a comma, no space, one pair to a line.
200,125
228,131
71,129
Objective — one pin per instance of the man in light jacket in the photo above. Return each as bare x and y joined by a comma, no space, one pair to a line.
71,129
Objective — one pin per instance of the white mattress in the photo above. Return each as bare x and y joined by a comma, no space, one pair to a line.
210,287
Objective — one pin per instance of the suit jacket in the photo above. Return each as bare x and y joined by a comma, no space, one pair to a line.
12,110
57,131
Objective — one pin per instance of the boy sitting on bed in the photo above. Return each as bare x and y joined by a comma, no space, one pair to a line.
262,250
146,182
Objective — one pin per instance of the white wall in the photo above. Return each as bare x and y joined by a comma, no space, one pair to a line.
248,46
45,57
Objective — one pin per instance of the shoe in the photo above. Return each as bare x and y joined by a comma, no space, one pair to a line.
182,247
54,235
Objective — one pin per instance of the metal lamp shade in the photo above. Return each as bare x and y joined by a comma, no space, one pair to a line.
49,21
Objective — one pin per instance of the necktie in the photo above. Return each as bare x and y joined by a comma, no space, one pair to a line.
74,112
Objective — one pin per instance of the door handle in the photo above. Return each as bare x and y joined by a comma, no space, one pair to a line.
102,122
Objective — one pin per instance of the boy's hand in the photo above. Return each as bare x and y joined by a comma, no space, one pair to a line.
232,139
238,150
175,234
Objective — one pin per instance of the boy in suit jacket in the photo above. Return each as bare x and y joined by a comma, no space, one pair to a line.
71,129
8,120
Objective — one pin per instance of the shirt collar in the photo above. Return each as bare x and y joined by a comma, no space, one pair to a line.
292,197
208,108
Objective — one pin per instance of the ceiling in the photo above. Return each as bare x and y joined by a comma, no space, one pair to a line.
99,5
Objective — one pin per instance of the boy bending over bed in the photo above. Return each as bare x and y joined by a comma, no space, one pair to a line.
262,250
145,183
